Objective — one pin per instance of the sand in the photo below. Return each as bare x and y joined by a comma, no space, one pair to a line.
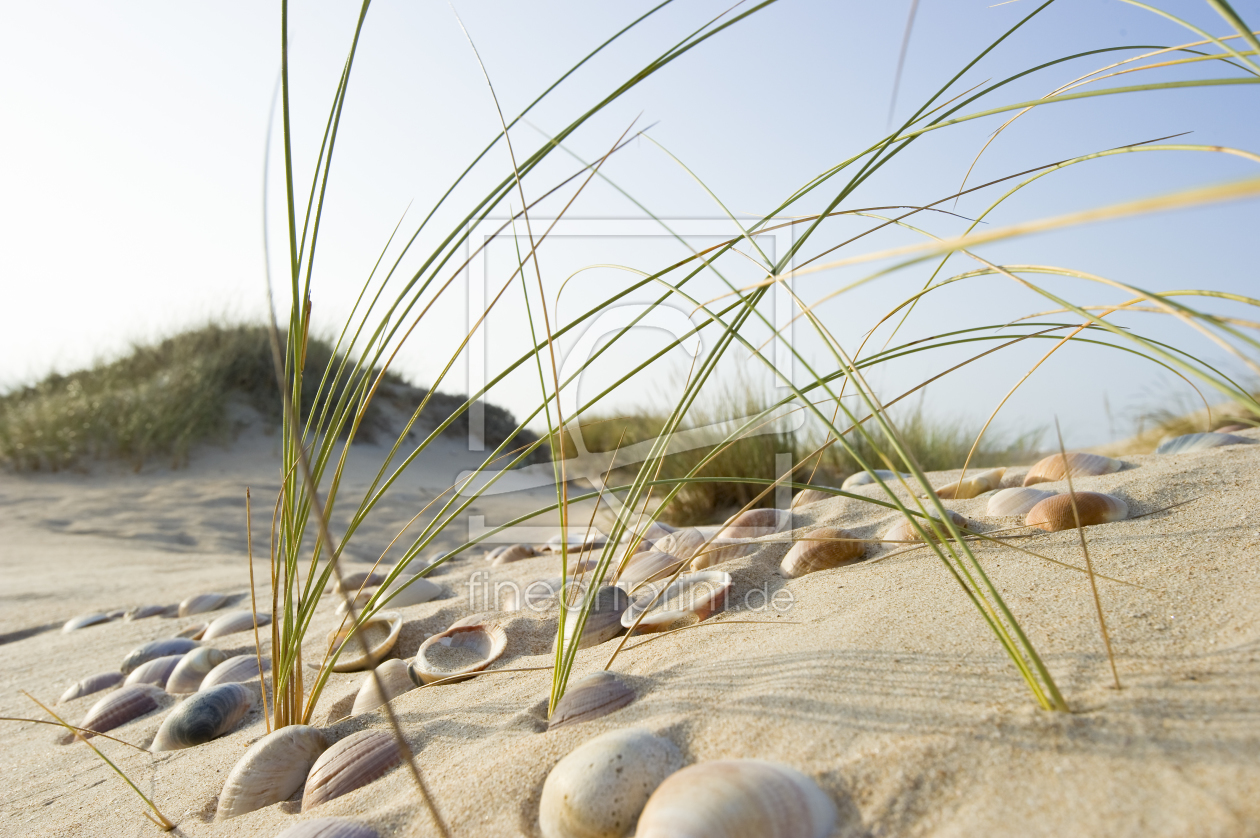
879,680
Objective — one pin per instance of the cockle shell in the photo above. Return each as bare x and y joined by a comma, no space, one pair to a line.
121,706
598,790
143,612
737,798
647,567
156,649
905,531
807,496
271,770
411,590
378,635
192,670
515,553
972,487
590,697
1199,442
822,549
205,716
235,670
329,828
482,643
155,672
681,543
233,622
1055,467
84,621
351,763
193,632
493,553
91,684
863,478
756,523
1016,501
689,598
202,603
1055,513
603,622
394,679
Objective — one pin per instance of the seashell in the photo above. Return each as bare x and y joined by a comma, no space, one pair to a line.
205,716
83,622
647,567
721,551
807,556
202,603
1054,467
515,553
863,478
379,634
91,684
971,487
1234,428
192,669
590,697
193,632
329,828
807,496
472,620
1199,442
737,798
411,590
234,622
234,670
395,681
457,651
156,649
598,790
681,543
271,770
121,706
691,597
143,612
905,531
155,672
493,553
359,600
756,523
1016,501
1055,513
351,582
603,621
353,762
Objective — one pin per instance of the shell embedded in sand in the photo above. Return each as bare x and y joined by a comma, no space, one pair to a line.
863,478
1055,467
378,635
515,553
192,670
193,632
205,716
234,622
756,523
156,649
681,543
121,706
351,582
1055,513
235,670
689,598
598,790
144,612
91,684
1016,501
491,554
351,763
156,671
271,770
202,603
826,547
647,567
972,487
1199,442
394,678
458,651
329,828
590,697
603,621
807,496
905,531
83,621
737,798
410,590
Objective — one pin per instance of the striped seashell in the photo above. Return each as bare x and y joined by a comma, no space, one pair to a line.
1199,442
156,649
120,707
647,567
91,684
351,763
1055,513
481,645
514,553
826,547
691,597
155,672
972,487
193,632
590,697
144,612
201,603
205,716
603,621
329,828
1016,501
395,680
192,670
234,622
807,496
737,798
378,634
234,670
905,531
756,523
271,770
1055,467
863,478
682,543
472,620
83,621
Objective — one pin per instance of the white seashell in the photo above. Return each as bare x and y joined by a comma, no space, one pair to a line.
156,671
458,651
156,649
193,632
603,622
234,622
143,612
205,716
121,706
681,543
1055,513
972,487
1199,442
91,684
1016,501
359,600
863,478
1055,467
904,531
351,582
84,621
825,548
598,790
737,798
590,697
271,770
411,590
690,598
234,670
351,763
192,669
647,567
329,828
472,620
515,553
807,496
379,634
394,679
202,603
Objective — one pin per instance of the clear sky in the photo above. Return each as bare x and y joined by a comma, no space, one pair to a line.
132,153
